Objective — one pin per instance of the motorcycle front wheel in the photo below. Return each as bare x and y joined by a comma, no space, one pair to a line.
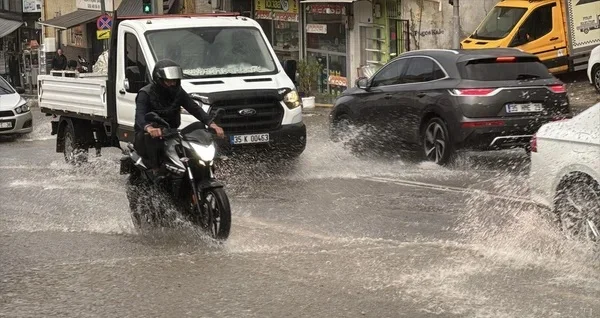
215,217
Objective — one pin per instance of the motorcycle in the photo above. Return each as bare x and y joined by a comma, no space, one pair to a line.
189,181
84,66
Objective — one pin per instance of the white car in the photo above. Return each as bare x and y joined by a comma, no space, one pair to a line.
15,116
593,70
565,172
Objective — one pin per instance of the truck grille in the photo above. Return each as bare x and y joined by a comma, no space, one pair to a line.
267,114
6,113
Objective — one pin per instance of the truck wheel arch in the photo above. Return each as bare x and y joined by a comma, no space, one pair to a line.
79,128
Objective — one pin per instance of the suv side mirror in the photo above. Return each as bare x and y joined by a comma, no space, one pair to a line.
362,83
134,79
290,67
20,90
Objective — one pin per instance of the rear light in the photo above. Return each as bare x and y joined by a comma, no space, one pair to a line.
533,143
558,88
506,59
480,124
473,91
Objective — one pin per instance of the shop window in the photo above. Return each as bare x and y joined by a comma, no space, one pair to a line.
327,33
390,74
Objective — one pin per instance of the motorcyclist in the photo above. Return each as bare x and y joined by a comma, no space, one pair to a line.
165,96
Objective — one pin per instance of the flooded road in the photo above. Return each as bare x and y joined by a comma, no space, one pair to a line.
331,235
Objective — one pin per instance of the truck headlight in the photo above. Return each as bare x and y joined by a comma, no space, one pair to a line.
292,99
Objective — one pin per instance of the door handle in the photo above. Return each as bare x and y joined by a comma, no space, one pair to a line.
388,96
122,91
421,94
554,38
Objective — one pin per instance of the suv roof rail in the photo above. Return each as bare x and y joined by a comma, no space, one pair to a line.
171,16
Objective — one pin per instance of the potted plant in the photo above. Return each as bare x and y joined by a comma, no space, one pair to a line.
309,71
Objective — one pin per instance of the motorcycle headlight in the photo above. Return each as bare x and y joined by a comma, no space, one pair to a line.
292,100
206,153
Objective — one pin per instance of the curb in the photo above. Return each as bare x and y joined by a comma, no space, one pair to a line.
323,105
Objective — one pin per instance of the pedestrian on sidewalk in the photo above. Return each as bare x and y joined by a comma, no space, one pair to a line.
59,62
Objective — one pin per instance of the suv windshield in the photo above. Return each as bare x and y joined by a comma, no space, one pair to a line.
214,51
5,88
499,23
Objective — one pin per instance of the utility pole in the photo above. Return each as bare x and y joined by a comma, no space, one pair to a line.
103,11
456,23
158,7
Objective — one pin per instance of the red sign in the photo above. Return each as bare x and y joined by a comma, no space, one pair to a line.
277,16
326,9
104,22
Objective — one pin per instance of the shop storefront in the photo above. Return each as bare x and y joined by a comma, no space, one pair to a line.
326,40
280,20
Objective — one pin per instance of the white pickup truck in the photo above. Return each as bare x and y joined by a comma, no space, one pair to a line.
227,63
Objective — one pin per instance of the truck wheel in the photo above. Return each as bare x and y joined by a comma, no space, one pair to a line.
596,77
73,152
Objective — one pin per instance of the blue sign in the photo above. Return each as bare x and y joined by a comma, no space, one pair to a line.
104,22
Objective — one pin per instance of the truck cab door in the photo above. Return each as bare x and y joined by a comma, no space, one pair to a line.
543,34
132,75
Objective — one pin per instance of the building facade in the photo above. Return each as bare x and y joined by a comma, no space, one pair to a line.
19,40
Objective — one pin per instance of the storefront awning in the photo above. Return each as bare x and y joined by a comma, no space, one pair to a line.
327,1
72,19
8,26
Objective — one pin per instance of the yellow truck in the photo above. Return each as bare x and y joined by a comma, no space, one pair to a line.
562,33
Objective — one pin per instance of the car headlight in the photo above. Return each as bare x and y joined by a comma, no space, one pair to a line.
292,100
206,153
21,109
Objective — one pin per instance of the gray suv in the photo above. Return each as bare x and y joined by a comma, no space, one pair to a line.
440,101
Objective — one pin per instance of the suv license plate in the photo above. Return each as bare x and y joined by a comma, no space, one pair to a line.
524,108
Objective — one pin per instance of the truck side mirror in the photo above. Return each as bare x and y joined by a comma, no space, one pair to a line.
290,67
134,79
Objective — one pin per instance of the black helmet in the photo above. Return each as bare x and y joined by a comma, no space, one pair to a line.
167,70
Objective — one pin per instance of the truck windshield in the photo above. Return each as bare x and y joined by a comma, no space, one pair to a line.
499,22
213,51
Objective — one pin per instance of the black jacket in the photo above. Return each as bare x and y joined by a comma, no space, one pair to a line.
59,62
151,99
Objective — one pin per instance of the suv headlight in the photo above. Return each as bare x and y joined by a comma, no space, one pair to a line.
292,99
21,109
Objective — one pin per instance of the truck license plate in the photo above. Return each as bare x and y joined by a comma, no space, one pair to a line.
249,139
6,125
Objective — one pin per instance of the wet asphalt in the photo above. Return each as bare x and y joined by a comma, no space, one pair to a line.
330,235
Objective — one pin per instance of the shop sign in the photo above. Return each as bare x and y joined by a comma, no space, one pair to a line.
94,5
337,80
32,6
316,28
279,10
326,9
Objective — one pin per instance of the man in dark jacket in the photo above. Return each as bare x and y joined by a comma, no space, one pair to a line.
59,62
165,97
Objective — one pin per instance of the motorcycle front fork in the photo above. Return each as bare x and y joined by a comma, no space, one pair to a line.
198,200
